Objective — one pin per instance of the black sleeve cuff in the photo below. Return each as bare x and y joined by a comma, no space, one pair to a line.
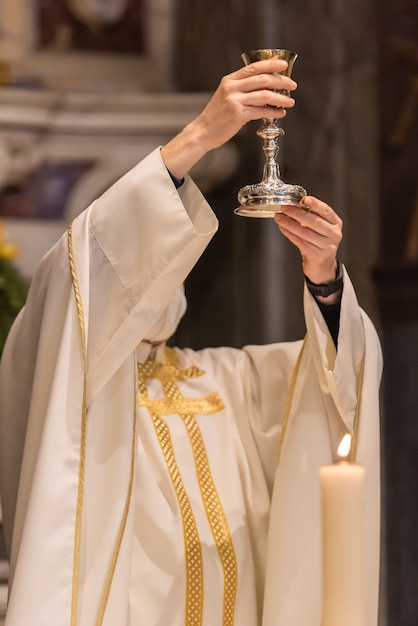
331,315
177,183
327,289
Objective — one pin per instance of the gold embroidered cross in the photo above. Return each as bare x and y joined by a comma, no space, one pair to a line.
169,374
174,402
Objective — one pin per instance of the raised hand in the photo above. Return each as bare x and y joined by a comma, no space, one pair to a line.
316,230
250,93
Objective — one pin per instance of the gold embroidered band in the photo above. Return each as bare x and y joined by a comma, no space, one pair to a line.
169,375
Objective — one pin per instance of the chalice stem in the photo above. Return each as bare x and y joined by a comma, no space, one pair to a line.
270,132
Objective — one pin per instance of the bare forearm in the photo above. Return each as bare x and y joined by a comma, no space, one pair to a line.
185,150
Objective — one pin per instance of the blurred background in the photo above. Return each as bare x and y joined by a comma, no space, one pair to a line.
88,87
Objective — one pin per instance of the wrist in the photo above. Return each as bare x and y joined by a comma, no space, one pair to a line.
320,274
182,152
328,292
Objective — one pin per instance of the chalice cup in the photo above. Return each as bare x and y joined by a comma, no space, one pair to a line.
265,198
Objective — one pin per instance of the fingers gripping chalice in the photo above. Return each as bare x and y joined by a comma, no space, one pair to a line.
264,199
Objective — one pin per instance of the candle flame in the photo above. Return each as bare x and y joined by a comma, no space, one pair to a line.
344,447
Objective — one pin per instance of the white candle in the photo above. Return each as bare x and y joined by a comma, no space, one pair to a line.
343,543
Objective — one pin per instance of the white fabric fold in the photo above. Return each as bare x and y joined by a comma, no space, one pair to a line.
133,248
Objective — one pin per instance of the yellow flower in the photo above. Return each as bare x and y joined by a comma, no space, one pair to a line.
7,250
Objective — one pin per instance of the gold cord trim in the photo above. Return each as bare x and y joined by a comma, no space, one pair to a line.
175,403
124,519
83,434
352,457
289,400
82,464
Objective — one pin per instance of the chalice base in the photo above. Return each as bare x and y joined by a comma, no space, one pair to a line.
265,199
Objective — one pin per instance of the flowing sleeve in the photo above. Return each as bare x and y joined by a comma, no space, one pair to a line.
132,248
334,392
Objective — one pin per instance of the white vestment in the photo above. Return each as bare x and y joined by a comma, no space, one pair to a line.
123,509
